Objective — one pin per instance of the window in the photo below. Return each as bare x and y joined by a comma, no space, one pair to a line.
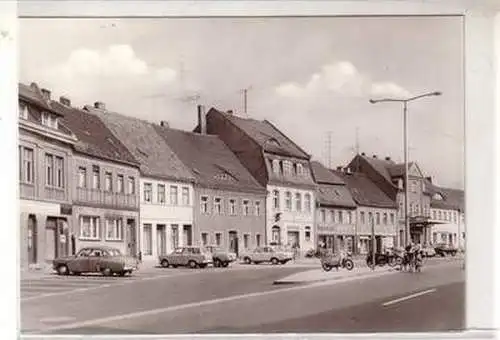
439,214
257,208
173,195
232,207
362,217
89,227
96,182
27,165
114,229
287,167
185,196
298,202
385,219
131,185
204,239
45,118
288,201
332,216
349,217
323,215
204,204
434,214
276,199
246,207
300,169
148,192
413,186
120,185
246,239
377,217
218,205
161,193
82,177
257,240
308,234
108,182
59,172
370,217
148,239
276,166
341,217
23,111
307,203
49,169
392,218
218,239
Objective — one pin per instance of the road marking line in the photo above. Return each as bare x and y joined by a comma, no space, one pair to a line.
56,319
115,283
404,298
133,315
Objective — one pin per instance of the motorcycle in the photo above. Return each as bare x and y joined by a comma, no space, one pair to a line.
342,260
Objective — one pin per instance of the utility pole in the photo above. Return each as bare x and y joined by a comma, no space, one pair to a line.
329,149
245,99
373,242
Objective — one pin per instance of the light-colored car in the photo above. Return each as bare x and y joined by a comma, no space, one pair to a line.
189,256
221,257
428,251
105,260
274,255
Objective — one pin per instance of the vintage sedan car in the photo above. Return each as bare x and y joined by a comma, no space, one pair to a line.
105,260
274,255
443,249
189,256
428,251
221,257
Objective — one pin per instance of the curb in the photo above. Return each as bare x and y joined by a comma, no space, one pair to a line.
334,278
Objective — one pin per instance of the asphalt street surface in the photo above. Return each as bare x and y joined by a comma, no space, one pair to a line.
244,300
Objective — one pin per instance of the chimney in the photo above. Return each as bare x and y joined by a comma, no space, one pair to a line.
202,119
45,94
100,105
164,124
230,112
363,154
374,156
65,101
429,179
388,158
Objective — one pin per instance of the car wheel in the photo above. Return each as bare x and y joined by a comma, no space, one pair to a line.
274,261
217,263
225,264
107,272
164,263
247,260
62,270
192,264
349,264
326,267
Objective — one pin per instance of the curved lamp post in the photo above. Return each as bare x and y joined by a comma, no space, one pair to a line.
405,102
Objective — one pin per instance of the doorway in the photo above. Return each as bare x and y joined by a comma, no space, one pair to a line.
131,238
32,239
233,242
188,235
294,239
161,239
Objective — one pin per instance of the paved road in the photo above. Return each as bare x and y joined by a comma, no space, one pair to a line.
244,300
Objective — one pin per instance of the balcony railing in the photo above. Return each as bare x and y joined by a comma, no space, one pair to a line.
104,198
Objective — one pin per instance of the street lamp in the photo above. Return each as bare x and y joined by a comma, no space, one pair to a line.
405,129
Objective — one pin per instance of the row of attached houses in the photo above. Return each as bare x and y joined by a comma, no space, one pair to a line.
90,176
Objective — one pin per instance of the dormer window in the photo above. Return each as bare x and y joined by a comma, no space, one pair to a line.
23,111
437,197
299,169
287,167
276,166
49,120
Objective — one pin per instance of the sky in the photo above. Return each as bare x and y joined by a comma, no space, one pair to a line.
312,77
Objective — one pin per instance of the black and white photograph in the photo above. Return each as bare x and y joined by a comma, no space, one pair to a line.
241,175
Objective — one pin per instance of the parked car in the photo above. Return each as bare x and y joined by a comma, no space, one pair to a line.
274,255
105,260
428,251
443,249
221,257
189,256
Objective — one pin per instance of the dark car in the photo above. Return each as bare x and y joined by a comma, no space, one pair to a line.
443,249
221,257
105,260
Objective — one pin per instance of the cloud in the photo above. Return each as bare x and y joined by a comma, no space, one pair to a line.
341,78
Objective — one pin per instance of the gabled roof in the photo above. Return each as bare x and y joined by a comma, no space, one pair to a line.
210,160
94,138
155,157
265,134
335,195
365,192
33,95
322,175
